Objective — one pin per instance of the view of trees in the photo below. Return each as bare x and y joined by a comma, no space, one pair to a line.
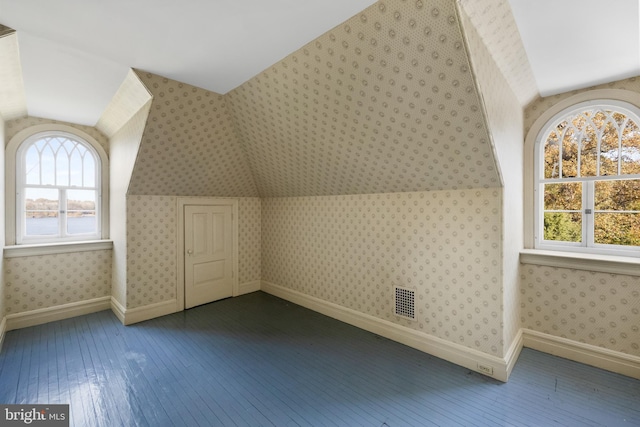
595,152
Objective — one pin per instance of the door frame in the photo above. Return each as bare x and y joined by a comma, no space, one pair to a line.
204,201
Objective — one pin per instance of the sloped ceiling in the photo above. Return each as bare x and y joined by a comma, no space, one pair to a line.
494,22
385,102
189,146
75,53
13,103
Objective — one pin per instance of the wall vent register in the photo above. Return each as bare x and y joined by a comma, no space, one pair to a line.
405,303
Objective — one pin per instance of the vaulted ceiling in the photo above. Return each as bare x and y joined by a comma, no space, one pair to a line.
276,99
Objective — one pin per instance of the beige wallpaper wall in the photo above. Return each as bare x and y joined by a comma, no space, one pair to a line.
505,122
594,308
16,125
352,250
151,247
44,281
249,240
124,148
591,307
189,146
382,103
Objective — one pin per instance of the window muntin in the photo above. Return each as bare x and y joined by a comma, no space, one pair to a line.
588,179
57,189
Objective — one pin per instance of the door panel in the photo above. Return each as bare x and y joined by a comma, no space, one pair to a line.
208,253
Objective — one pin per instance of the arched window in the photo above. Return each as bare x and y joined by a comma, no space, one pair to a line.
587,179
57,186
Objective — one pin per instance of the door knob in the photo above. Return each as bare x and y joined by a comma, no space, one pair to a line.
189,252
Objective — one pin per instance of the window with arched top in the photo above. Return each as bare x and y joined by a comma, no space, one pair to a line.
58,182
587,179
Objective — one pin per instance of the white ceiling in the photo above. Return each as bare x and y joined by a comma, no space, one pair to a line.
76,53
572,44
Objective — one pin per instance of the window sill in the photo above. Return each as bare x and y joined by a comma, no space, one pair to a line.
581,261
56,248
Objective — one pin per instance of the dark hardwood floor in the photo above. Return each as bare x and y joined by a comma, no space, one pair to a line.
257,360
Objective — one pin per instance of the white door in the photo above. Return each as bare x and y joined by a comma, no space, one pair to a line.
208,258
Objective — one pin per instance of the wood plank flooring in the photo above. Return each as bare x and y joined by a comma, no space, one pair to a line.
257,360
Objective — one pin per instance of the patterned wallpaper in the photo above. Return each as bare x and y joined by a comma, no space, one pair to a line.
504,118
151,250
382,103
151,247
352,250
44,281
595,308
494,22
15,126
249,240
189,146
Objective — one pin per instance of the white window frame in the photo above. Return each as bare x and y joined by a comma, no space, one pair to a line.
15,182
539,133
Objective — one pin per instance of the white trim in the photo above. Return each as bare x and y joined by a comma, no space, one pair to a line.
58,312
3,331
582,261
599,357
140,314
57,248
513,353
247,288
10,175
449,351
118,309
204,201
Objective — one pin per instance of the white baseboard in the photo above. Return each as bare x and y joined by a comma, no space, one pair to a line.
59,312
3,331
592,355
118,309
140,314
247,288
452,352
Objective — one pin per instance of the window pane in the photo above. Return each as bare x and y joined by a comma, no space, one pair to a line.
76,169
570,154
81,212
563,226
551,156
630,156
619,195
47,166
89,170
62,168
32,166
609,151
565,196
41,212
617,228
589,152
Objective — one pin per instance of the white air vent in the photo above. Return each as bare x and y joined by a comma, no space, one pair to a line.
405,302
